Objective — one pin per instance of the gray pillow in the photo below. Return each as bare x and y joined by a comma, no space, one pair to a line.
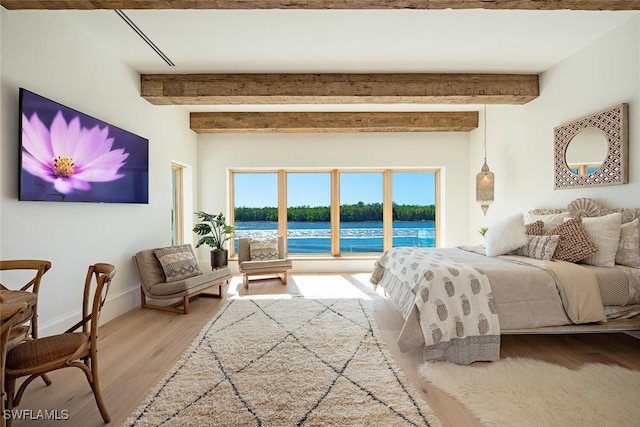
178,262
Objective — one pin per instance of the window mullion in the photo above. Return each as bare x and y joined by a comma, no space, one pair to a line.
387,211
282,205
335,213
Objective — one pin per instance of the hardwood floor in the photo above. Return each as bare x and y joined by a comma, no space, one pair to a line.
138,348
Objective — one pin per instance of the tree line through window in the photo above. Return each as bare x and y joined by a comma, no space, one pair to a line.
337,212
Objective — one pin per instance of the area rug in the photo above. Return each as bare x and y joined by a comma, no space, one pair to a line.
286,361
526,392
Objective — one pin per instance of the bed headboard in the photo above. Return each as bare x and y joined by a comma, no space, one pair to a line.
585,207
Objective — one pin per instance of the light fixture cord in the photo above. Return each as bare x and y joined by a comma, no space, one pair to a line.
485,133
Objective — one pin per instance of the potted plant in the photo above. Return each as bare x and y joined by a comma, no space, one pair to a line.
214,232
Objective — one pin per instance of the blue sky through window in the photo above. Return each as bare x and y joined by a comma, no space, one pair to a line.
312,189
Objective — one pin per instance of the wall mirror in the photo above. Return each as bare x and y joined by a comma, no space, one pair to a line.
593,150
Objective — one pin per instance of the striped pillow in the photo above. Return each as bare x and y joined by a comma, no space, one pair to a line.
539,247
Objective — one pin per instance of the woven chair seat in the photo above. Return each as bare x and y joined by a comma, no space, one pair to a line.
45,350
33,358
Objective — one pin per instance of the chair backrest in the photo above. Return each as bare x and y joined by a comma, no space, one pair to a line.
149,269
8,316
97,282
38,266
244,249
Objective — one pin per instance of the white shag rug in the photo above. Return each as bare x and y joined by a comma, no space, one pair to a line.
525,392
286,361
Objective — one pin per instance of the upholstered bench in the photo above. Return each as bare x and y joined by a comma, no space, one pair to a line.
177,276
269,259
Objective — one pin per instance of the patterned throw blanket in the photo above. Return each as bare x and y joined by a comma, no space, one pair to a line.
453,302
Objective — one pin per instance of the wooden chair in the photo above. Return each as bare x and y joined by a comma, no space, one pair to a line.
9,315
253,267
38,268
71,349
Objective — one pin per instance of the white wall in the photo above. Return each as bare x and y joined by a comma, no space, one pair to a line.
520,138
217,153
53,58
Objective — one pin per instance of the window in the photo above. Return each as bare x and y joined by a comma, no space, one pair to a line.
414,213
255,212
337,212
361,227
177,235
308,212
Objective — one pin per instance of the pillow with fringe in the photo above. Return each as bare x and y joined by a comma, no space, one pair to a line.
539,247
263,249
178,262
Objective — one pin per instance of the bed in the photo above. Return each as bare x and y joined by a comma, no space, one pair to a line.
552,271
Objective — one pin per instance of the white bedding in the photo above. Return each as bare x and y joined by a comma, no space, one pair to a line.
527,293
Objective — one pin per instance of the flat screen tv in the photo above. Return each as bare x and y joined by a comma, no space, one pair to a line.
68,156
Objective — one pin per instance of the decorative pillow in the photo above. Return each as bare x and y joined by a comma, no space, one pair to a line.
629,246
535,228
550,221
574,243
539,247
506,236
263,249
178,262
604,231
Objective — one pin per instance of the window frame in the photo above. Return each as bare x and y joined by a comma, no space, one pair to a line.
387,203
177,214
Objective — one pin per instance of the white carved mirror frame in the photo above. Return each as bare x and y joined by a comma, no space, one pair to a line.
614,169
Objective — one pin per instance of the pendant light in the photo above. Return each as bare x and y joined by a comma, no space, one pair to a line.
484,180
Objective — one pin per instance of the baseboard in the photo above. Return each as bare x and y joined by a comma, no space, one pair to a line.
116,305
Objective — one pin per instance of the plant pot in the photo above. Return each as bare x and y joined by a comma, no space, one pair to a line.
219,258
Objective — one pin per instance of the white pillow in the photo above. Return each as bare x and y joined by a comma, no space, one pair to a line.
550,221
604,231
629,247
506,236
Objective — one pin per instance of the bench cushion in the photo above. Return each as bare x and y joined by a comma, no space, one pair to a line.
190,285
265,266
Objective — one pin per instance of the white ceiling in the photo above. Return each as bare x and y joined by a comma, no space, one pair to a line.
349,41
308,41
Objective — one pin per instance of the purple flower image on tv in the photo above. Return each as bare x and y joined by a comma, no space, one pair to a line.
70,156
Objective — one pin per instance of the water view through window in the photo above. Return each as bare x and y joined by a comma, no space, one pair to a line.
361,195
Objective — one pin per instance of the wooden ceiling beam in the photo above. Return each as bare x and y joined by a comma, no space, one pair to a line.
212,89
325,4
325,122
